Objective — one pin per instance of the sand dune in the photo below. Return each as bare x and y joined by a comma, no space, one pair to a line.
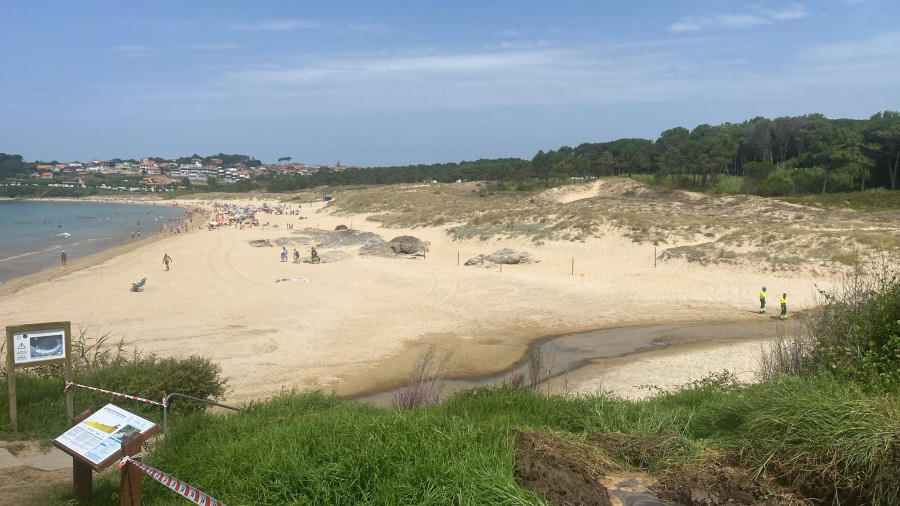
358,324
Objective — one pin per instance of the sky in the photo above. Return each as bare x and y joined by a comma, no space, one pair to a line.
374,83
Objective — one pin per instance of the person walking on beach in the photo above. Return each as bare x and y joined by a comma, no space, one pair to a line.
762,301
296,256
62,259
784,306
283,254
166,260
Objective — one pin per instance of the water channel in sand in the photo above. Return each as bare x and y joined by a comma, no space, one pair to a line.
568,353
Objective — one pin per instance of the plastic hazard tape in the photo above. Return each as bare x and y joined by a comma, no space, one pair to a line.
181,488
141,399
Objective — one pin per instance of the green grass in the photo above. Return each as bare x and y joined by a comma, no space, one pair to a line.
310,448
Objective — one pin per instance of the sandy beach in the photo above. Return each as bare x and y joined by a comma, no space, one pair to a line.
358,324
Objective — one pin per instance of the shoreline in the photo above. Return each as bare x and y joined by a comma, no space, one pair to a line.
19,283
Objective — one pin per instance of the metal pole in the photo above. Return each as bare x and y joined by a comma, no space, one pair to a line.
166,406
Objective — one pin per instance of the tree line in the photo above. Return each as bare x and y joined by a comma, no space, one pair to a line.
781,156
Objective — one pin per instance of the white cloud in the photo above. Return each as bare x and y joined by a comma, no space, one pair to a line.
277,25
694,73
686,25
794,11
881,49
739,20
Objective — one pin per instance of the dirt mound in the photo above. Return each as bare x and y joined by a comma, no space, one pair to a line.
564,468
546,467
715,484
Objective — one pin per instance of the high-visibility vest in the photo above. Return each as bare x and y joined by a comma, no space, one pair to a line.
762,295
783,300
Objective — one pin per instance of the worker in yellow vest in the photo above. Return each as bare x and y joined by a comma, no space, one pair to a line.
762,301
784,306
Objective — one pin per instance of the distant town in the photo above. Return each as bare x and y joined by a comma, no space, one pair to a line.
155,175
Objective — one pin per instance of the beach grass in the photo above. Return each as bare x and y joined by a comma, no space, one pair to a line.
840,230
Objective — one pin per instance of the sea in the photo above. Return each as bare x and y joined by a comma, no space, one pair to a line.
33,233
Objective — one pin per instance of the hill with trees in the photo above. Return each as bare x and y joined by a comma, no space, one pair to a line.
784,156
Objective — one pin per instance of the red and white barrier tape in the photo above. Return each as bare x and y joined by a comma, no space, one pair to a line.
188,492
141,399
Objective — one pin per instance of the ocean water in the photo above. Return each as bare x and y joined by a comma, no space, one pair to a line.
34,233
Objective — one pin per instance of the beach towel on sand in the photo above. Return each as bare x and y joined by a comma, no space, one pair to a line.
298,278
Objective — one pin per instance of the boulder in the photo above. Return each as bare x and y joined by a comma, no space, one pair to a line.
507,256
341,227
503,256
407,245
261,243
475,260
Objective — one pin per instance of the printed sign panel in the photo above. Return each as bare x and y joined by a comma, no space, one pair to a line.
100,435
38,346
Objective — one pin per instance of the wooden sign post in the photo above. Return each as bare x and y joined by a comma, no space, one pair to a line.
102,439
82,475
130,485
37,344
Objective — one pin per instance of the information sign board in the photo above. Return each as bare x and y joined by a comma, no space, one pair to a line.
97,440
38,346
33,345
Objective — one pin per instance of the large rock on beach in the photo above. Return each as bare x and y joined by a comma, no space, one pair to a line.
407,245
508,256
398,247
475,260
261,243
503,256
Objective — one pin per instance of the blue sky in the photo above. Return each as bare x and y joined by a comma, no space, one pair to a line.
395,83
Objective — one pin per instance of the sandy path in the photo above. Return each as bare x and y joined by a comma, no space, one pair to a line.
360,322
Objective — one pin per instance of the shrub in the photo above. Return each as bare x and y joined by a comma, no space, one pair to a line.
729,185
856,333
153,378
413,396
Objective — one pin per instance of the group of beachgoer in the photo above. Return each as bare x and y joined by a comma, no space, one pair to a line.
762,303
313,255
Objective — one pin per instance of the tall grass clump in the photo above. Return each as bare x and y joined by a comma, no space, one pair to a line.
829,439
